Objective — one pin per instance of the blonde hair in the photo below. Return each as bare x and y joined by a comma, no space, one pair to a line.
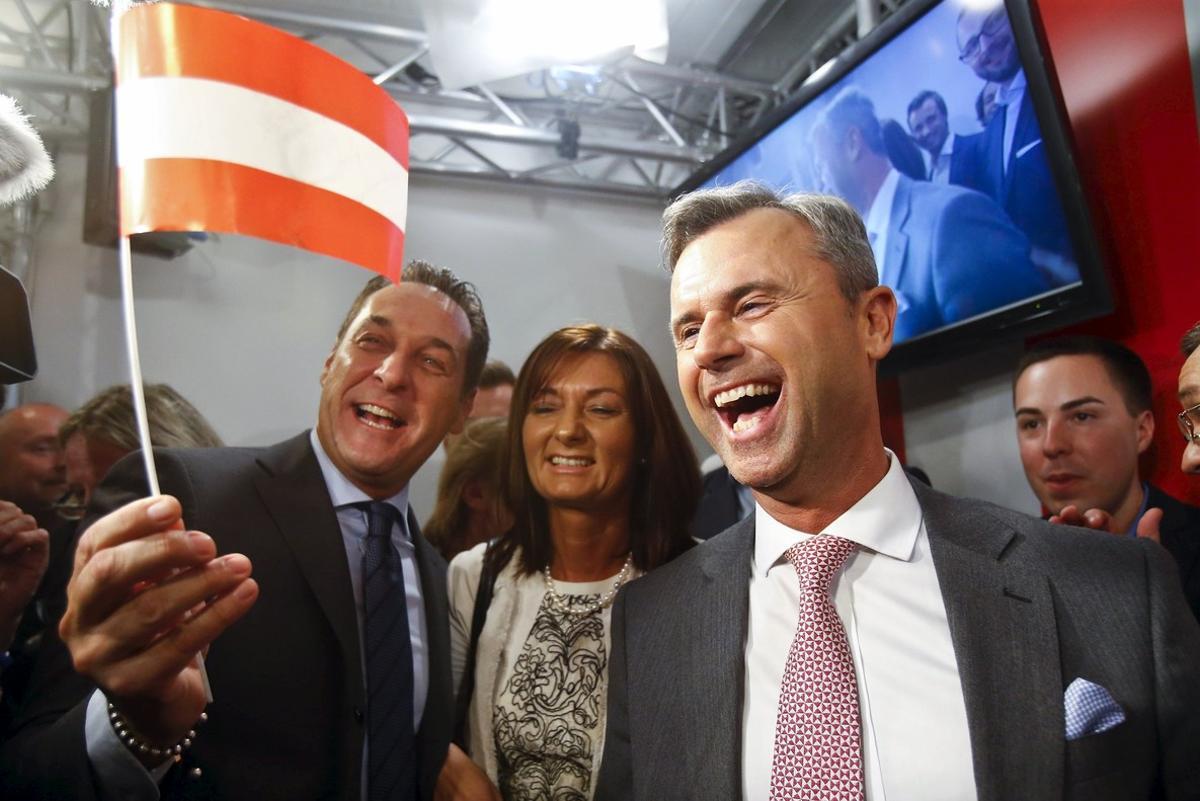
174,422
475,455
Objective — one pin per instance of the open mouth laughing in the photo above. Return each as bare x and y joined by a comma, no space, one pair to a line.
745,406
377,417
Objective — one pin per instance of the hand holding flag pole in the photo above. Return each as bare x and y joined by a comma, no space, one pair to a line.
224,124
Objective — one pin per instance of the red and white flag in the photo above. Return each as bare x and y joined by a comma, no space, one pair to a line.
225,124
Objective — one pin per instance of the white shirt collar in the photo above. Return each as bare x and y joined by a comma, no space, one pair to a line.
341,490
886,521
947,145
881,208
1013,91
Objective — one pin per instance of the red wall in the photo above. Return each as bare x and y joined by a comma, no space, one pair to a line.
1127,84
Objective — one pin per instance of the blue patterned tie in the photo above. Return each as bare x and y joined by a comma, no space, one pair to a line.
391,743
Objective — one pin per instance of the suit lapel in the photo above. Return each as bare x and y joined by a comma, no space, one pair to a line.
717,662
434,734
294,492
1002,624
1026,132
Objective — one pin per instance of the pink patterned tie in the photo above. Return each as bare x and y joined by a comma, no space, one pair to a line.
818,745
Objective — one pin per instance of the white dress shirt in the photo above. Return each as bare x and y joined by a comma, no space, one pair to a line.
916,744
939,165
1010,97
879,216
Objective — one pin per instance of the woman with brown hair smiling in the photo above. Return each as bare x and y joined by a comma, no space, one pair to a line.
602,482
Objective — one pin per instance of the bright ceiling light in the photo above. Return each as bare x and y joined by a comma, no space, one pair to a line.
477,41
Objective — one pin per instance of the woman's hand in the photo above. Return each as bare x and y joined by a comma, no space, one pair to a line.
463,780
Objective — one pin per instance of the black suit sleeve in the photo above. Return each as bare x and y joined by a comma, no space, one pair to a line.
615,782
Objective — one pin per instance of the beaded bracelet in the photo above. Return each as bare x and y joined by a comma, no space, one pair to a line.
136,744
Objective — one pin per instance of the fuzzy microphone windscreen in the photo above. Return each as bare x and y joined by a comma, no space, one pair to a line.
24,164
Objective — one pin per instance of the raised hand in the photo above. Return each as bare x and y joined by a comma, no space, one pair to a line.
144,598
24,551
1100,520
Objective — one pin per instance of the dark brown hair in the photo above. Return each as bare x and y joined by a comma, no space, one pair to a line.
1126,369
461,292
666,478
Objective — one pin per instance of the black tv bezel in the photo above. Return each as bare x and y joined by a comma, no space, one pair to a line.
1088,299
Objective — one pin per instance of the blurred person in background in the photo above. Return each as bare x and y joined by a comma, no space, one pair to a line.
101,431
469,509
1189,399
1083,408
32,473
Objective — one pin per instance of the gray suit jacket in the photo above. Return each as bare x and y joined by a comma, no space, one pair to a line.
952,254
1031,607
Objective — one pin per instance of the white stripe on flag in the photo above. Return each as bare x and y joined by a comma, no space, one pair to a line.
202,119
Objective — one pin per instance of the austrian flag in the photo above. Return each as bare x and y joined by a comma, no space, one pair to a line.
224,124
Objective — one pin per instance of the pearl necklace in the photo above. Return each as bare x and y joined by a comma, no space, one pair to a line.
562,606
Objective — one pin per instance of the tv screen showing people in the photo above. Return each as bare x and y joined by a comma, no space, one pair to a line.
934,139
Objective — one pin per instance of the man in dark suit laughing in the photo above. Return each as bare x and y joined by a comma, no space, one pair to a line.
861,636
330,668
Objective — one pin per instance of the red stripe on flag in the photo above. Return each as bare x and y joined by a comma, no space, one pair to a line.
220,196
167,40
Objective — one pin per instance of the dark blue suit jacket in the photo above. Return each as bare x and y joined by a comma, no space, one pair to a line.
1026,189
952,254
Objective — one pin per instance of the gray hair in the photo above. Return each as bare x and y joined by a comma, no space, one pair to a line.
1191,340
839,236
174,422
850,108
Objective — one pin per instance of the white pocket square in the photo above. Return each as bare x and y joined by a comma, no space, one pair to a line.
1026,148
1090,709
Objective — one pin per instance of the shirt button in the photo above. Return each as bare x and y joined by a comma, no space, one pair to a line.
358,714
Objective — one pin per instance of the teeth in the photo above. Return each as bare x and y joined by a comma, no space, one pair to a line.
744,424
378,411
746,390
569,462
373,424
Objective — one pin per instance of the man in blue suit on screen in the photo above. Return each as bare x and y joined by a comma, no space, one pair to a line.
1012,167
948,253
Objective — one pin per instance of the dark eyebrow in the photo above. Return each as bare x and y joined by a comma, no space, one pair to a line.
1066,407
386,322
728,298
591,393
1075,404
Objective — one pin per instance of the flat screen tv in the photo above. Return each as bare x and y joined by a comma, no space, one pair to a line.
945,129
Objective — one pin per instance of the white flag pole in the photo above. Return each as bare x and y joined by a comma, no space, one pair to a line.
131,343
135,366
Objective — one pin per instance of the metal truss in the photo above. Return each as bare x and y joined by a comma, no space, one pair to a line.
631,127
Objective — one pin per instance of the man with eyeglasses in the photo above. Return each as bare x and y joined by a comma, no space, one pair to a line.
1012,168
1084,417
1189,398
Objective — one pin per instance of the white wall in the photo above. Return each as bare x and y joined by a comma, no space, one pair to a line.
241,326
959,427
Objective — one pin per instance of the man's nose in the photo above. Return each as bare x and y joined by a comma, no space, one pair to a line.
393,372
1057,440
716,344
